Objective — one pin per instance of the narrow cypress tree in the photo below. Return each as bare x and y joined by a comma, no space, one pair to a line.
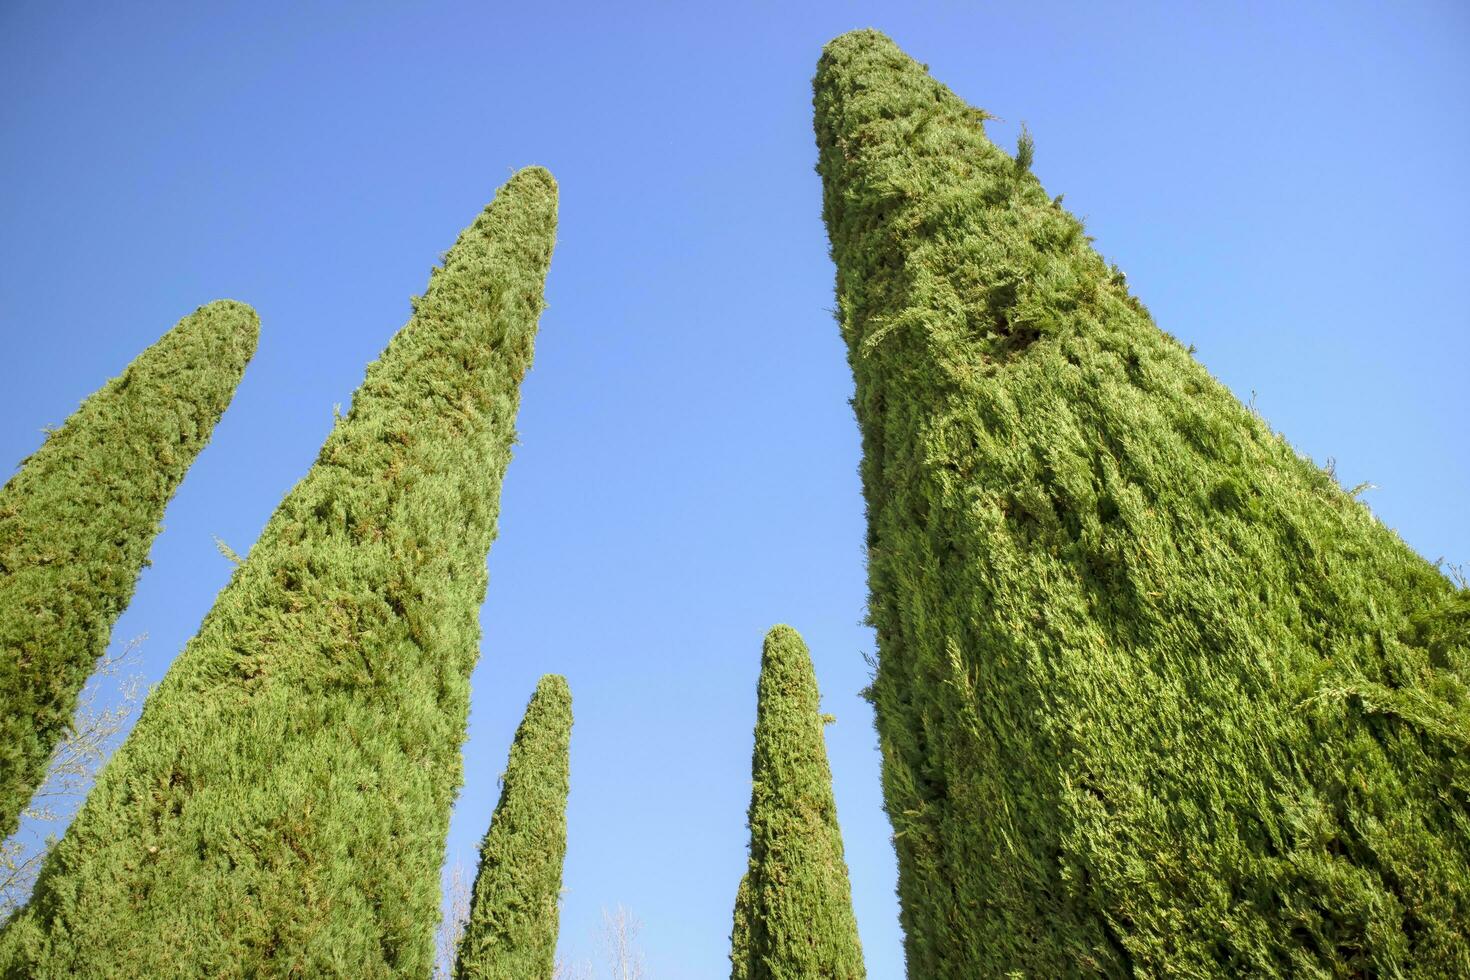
76,523
282,804
512,929
1153,694
793,911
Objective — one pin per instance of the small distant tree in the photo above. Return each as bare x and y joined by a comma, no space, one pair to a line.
793,910
513,923
620,947
572,970
620,952
451,928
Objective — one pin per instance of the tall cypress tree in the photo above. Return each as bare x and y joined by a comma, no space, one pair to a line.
512,928
1154,694
793,910
77,521
282,804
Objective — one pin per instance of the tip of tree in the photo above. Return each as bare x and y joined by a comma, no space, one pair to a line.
784,649
866,45
782,632
845,49
860,52
230,306
534,177
554,685
530,193
863,37
239,318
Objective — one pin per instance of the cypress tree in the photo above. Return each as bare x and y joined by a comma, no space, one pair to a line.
77,520
1154,694
282,804
793,910
512,928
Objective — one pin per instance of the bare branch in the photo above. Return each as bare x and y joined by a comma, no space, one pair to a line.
620,929
451,929
75,762
572,970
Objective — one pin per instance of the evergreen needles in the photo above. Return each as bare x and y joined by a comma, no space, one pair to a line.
1154,694
77,521
793,911
512,928
282,804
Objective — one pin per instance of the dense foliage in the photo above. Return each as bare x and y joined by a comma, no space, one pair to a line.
1154,694
512,929
76,523
282,804
793,910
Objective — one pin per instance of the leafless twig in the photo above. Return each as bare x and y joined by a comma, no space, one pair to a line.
620,929
451,929
72,770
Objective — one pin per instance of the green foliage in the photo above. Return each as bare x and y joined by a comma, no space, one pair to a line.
793,911
1154,695
76,523
1026,153
512,928
282,804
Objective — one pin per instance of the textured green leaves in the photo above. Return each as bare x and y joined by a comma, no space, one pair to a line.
78,519
282,804
1154,694
793,911
512,928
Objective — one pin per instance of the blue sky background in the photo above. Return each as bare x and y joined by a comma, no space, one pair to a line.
1284,184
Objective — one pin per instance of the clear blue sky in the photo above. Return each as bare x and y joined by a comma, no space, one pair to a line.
1286,186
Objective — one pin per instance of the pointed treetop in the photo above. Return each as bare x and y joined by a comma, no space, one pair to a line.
77,520
793,910
512,929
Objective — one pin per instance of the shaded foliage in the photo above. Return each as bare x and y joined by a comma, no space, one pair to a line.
1154,695
281,806
793,910
512,928
77,520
